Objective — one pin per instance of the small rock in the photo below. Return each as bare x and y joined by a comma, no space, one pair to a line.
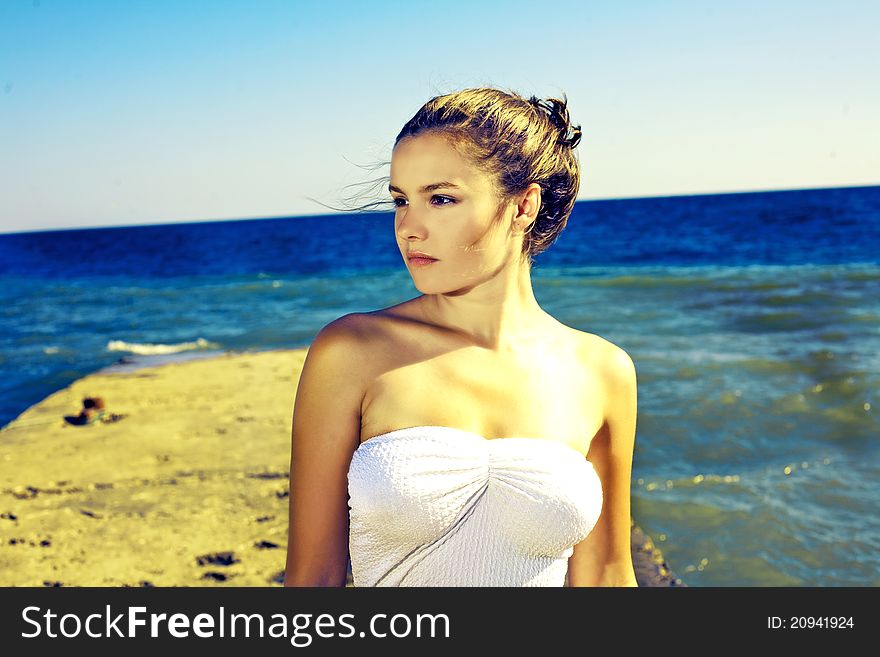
217,559
268,475
25,493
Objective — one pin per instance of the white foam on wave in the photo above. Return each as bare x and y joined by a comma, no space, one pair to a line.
149,349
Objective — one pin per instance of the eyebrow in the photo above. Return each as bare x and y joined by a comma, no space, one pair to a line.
427,188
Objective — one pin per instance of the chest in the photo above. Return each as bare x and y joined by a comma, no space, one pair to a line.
551,394
417,487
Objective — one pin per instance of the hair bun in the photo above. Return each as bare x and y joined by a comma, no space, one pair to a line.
556,111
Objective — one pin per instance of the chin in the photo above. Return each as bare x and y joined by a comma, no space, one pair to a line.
438,288
427,288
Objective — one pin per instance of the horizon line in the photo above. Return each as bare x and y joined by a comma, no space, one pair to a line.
343,212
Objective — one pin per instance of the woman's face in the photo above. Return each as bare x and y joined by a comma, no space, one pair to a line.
443,206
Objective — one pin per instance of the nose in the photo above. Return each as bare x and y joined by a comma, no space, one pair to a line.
408,225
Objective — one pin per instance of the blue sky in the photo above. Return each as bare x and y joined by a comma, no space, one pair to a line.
144,112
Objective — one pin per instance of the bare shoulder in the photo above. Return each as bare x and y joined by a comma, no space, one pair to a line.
353,345
345,331
617,365
342,344
610,362
350,326
356,328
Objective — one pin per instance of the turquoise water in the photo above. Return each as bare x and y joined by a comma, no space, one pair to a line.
757,439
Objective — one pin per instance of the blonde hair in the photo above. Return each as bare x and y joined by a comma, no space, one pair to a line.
517,141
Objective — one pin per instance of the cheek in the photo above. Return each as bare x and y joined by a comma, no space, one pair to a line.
474,233
459,245
482,238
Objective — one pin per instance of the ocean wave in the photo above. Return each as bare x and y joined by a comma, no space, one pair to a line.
148,349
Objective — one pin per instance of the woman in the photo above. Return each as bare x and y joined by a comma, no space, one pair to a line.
465,437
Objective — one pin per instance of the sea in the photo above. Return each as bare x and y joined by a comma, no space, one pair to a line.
753,319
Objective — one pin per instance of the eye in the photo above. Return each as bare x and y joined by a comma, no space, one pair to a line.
400,201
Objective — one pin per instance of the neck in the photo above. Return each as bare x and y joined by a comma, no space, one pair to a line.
500,314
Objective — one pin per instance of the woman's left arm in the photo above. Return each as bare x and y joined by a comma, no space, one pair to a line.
604,558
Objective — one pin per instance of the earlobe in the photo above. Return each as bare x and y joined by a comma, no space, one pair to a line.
520,223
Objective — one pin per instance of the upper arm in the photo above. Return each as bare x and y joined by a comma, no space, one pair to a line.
325,433
604,557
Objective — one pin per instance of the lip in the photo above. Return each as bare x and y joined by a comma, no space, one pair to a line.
418,255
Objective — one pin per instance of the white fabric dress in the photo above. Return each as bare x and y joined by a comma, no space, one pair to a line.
440,506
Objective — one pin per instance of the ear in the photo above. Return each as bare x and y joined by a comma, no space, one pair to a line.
527,208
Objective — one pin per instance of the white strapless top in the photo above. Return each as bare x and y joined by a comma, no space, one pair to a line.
440,506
